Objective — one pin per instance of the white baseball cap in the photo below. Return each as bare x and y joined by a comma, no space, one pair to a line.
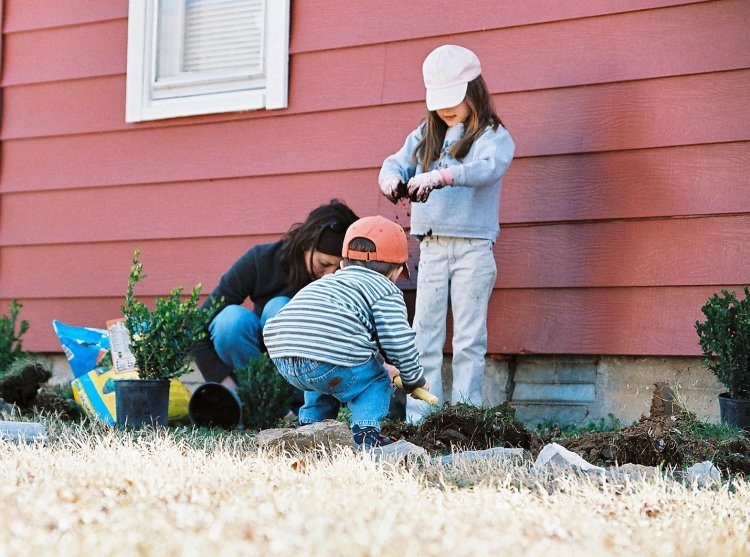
447,71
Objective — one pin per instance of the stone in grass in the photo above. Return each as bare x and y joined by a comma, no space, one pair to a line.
328,434
554,456
400,452
23,432
702,474
495,452
632,472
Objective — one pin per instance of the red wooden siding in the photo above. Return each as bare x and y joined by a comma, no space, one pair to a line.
628,203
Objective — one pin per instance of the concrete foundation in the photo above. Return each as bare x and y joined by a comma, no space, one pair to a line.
582,389
567,389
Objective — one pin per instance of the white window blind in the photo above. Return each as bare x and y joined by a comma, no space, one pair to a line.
205,56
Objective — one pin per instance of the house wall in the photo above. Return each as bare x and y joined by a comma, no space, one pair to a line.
626,207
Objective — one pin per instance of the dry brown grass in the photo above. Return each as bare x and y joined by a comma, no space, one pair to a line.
98,492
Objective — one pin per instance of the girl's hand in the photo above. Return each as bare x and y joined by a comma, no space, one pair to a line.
421,185
389,187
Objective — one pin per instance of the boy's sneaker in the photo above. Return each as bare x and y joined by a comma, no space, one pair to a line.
369,436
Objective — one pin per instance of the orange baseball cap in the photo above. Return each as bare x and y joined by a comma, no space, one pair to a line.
389,239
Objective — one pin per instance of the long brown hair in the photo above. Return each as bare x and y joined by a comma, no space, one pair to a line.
481,114
331,218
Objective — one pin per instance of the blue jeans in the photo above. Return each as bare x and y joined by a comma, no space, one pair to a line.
365,388
237,332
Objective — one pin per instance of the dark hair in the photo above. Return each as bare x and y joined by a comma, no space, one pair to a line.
330,219
363,244
481,114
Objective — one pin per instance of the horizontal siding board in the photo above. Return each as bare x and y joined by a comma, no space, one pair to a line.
29,15
215,208
392,20
690,180
563,53
606,321
566,56
634,115
714,250
625,321
672,252
66,53
626,47
101,270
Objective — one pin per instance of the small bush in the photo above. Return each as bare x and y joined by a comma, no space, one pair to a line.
161,339
11,347
266,396
725,340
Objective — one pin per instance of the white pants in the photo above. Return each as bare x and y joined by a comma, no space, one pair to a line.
461,271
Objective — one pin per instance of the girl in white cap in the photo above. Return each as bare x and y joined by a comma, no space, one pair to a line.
452,168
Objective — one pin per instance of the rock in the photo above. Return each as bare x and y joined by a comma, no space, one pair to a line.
495,452
26,432
556,456
399,452
632,472
329,434
702,474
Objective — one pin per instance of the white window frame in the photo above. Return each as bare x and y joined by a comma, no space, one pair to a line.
145,101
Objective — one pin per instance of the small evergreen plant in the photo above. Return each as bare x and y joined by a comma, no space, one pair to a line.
266,396
11,331
161,339
725,340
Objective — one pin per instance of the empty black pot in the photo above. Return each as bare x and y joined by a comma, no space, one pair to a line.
214,405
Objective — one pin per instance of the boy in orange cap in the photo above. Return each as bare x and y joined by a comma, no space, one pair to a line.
331,339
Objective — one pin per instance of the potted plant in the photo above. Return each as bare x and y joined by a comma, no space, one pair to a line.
725,341
160,340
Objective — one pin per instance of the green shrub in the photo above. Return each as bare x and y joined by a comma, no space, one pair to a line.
725,340
266,396
161,339
11,347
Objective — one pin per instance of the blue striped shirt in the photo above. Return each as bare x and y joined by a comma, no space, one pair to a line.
344,319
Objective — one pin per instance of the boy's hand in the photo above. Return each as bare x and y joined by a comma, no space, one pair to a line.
421,185
425,387
392,371
389,187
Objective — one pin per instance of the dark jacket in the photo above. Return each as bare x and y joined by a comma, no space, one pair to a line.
257,275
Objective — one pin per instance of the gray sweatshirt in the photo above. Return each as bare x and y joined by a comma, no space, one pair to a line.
470,208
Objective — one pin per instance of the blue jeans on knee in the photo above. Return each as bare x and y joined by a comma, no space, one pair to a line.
365,388
237,332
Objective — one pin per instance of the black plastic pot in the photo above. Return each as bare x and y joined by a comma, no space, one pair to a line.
213,405
734,411
142,402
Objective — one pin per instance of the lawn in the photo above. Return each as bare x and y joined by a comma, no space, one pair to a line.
181,491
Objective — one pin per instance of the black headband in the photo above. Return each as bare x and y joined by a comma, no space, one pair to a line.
331,240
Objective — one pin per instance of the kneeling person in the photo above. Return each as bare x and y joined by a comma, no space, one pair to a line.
330,339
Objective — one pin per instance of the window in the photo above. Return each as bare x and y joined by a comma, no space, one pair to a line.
188,57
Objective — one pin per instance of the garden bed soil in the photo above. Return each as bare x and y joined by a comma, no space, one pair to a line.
28,390
668,436
21,387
